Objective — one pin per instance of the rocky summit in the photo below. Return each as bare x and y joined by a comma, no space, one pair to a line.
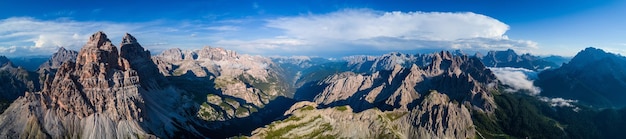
414,101
48,69
105,91
509,58
104,94
14,82
593,77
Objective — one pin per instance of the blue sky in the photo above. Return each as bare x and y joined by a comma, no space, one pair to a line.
318,28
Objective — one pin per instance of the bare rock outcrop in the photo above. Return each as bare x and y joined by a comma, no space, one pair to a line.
48,69
435,117
438,117
104,94
15,81
509,58
462,78
431,101
251,80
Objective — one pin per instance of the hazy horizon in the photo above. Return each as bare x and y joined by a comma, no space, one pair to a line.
311,28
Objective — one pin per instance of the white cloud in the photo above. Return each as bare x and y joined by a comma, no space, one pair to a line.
266,46
352,31
28,36
518,79
223,28
366,24
20,36
558,102
368,30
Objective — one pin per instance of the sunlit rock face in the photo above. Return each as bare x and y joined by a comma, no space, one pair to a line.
462,78
227,85
405,101
104,94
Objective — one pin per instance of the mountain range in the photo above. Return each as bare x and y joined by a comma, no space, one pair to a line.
105,92
593,77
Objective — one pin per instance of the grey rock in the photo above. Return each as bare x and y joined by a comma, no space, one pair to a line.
102,95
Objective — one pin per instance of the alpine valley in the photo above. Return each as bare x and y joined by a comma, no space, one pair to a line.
106,91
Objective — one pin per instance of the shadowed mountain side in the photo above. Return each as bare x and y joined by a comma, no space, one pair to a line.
14,82
30,63
223,112
593,76
271,112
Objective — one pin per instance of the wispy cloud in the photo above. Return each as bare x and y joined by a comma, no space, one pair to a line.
62,13
519,79
331,34
560,102
28,36
21,36
223,28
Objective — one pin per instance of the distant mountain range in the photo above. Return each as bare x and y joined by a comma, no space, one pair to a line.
593,76
509,58
105,92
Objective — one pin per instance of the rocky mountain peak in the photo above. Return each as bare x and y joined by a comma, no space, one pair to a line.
4,60
61,49
509,58
48,69
99,51
592,49
446,55
462,78
173,54
102,95
592,77
589,54
216,54
128,39
59,57
99,39
131,50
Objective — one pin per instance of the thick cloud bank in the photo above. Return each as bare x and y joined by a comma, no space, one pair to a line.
519,79
365,24
363,29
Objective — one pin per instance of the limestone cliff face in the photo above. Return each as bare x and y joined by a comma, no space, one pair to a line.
509,58
240,83
369,64
210,61
432,101
48,69
104,94
462,78
438,117
435,117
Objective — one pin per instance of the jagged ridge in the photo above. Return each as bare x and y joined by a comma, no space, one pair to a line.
102,95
